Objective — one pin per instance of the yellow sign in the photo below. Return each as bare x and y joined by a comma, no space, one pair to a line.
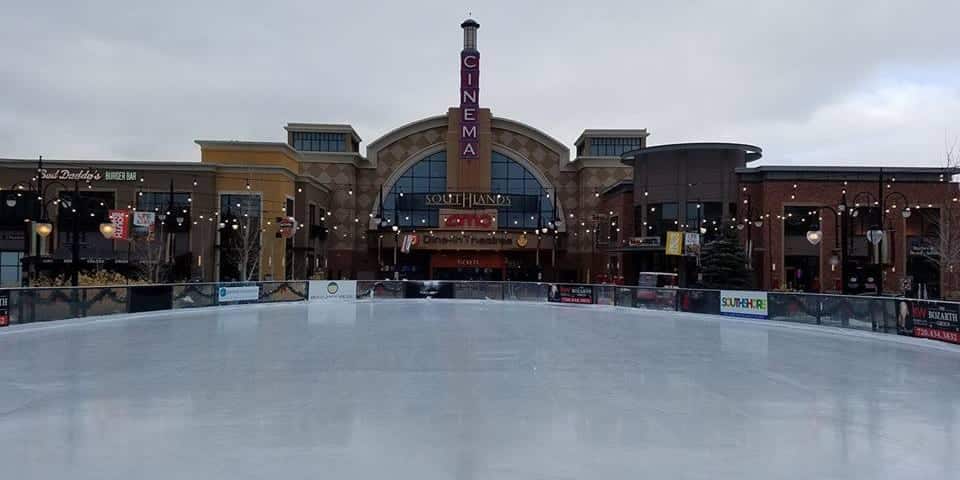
674,243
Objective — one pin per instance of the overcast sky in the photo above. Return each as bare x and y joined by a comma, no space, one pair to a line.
832,82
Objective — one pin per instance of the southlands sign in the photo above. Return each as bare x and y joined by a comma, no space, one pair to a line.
467,200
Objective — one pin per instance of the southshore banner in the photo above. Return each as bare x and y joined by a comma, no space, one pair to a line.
938,321
739,303
582,294
333,290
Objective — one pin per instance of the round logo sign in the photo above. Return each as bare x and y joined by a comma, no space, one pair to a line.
332,288
288,227
522,241
223,292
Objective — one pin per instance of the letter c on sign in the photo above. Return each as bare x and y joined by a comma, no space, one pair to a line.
470,61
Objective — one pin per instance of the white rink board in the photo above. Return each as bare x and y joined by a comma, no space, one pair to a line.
333,291
428,389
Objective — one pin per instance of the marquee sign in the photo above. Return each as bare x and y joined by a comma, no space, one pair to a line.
468,219
88,175
469,104
467,200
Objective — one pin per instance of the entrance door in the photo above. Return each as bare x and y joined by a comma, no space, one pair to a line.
485,266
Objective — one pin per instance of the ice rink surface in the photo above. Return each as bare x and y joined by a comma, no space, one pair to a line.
470,390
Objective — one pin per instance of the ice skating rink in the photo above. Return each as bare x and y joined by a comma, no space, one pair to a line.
421,389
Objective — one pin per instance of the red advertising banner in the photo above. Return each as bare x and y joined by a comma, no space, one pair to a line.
121,224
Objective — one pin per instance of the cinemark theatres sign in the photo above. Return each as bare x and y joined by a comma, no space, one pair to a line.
469,104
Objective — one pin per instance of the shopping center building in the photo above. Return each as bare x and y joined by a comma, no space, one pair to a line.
464,194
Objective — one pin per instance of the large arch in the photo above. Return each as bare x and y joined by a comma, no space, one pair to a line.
425,172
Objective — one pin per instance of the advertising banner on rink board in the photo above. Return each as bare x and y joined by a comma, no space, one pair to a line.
582,294
739,303
938,321
333,291
4,308
238,294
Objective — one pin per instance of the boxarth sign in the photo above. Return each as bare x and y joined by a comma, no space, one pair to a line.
740,303
935,320
581,294
332,291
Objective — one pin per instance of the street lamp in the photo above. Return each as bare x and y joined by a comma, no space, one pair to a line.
814,236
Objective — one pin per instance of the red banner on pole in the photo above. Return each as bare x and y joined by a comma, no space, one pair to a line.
121,224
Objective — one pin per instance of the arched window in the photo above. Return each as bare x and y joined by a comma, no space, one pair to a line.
429,175
531,205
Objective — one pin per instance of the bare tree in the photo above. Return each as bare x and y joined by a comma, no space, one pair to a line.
242,247
943,247
150,257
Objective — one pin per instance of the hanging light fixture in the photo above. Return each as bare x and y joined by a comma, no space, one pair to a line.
43,229
107,230
814,236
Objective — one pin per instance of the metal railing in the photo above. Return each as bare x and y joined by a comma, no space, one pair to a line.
877,314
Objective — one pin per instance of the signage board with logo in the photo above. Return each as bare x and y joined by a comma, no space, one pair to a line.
144,223
674,243
469,104
482,220
579,294
691,243
238,294
332,290
121,224
4,308
644,241
88,175
739,303
468,200
450,240
288,226
938,321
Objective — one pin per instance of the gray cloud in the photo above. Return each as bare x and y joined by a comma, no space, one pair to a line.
812,82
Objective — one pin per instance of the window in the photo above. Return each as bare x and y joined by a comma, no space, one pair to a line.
25,205
175,207
800,220
531,206
709,215
429,175
319,141
10,269
661,218
614,229
162,202
613,147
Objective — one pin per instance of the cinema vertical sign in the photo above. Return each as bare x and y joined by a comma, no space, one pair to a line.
469,104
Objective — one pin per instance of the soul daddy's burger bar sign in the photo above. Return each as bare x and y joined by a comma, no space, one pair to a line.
88,175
